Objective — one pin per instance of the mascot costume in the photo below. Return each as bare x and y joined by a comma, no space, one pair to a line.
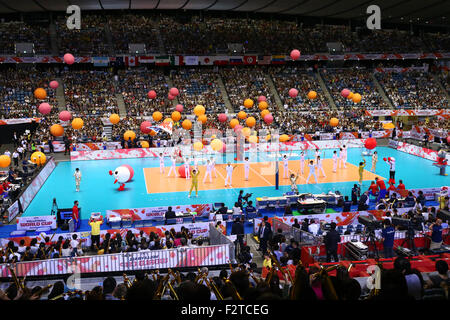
122,174
441,162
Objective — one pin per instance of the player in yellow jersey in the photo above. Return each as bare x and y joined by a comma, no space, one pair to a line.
194,176
362,165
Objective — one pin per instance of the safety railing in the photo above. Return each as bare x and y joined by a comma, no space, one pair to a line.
124,262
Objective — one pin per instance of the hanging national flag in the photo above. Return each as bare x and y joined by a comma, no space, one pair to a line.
206,60
278,59
250,60
131,61
162,60
191,60
100,61
236,60
177,60
221,60
264,59
147,59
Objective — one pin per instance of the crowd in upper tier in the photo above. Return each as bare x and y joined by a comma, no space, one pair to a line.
204,35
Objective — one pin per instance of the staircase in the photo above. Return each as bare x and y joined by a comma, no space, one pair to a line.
107,131
225,97
382,92
162,49
121,105
60,98
274,92
53,39
325,90
110,40
436,78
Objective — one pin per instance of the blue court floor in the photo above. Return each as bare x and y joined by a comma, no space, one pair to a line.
98,193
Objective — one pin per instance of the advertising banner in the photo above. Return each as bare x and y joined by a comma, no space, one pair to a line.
33,223
13,210
157,212
26,197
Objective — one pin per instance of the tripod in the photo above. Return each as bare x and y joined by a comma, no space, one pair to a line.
409,240
54,207
372,240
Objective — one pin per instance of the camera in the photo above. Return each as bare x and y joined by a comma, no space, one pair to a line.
369,223
444,215
247,196
414,223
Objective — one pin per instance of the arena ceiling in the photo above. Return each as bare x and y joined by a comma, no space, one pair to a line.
432,12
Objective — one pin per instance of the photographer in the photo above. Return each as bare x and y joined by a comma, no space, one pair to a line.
363,203
388,233
436,234
331,240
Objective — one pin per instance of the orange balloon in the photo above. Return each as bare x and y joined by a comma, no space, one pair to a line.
202,118
40,93
5,161
166,120
187,124
157,116
284,138
129,135
145,144
199,110
263,105
57,130
334,122
312,95
248,103
242,115
253,139
356,98
114,118
264,112
234,123
176,116
246,132
350,96
250,122
77,123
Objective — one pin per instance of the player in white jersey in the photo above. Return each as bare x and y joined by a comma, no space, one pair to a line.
77,176
213,166
312,171
317,153
320,167
208,171
285,167
302,162
246,168
374,161
187,170
173,166
161,163
335,161
341,158
229,169
344,151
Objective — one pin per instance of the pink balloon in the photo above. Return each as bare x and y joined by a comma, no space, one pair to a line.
268,118
171,97
174,91
238,128
295,54
448,139
69,59
222,117
54,84
151,94
262,98
179,108
45,108
65,115
345,93
293,93
145,127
